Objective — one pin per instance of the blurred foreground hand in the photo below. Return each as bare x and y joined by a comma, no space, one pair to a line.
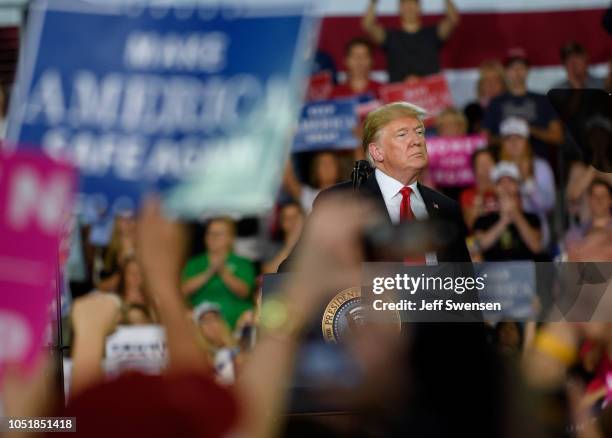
330,253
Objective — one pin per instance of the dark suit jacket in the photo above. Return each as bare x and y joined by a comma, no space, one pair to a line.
435,344
438,206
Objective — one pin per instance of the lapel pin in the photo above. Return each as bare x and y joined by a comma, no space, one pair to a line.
435,205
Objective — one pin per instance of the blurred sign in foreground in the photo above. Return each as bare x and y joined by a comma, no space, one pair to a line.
143,98
36,197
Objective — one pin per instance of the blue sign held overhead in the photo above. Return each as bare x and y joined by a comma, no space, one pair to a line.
327,124
195,102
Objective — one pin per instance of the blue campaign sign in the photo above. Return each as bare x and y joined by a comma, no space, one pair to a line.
327,125
143,98
513,285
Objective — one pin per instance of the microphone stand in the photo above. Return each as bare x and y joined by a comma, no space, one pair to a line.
361,172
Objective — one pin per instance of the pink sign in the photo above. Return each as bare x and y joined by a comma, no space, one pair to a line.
430,92
450,159
35,195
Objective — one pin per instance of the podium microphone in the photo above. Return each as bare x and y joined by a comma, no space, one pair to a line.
361,172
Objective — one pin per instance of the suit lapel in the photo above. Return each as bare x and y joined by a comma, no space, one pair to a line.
433,209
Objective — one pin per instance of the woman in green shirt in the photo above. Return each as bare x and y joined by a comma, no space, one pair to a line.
219,275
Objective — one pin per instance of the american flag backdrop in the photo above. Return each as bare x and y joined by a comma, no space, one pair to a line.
487,30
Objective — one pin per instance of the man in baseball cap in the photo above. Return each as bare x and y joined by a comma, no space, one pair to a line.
545,128
510,233
516,54
506,169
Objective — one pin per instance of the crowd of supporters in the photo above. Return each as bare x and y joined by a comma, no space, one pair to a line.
533,199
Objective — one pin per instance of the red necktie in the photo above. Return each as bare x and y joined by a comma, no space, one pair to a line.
406,215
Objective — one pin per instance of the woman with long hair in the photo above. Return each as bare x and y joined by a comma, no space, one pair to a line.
537,179
136,308
325,173
123,242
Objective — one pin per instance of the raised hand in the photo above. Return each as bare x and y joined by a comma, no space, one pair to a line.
95,314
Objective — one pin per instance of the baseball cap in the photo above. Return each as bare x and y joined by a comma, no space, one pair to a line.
515,54
514,126
505,168
204,308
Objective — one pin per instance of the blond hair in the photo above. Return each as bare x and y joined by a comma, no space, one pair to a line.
491,66
457,115
381,117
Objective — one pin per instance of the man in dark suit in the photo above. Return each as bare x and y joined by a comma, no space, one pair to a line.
394,142
436,205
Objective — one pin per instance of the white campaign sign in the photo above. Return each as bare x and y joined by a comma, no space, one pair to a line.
141,348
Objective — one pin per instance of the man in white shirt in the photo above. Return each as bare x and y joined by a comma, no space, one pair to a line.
394,142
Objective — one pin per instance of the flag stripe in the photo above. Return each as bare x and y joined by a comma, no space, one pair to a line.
389,7
484,36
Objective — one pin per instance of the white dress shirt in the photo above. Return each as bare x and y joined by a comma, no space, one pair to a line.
390,189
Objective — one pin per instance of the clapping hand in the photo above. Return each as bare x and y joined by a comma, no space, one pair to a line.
509,208
216,262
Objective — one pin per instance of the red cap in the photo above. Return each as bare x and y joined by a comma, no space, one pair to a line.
515,54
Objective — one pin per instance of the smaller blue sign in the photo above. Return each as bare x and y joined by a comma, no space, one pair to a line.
327,124
513,285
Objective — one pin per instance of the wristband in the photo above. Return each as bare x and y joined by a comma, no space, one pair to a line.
278,320
554,347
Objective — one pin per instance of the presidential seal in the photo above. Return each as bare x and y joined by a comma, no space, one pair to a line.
343,314
347,313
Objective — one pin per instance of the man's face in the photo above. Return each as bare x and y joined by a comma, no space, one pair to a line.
599,201
516,73
401,147
218,237
507,187
359,61
410,10
491,85
576,66
211,327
